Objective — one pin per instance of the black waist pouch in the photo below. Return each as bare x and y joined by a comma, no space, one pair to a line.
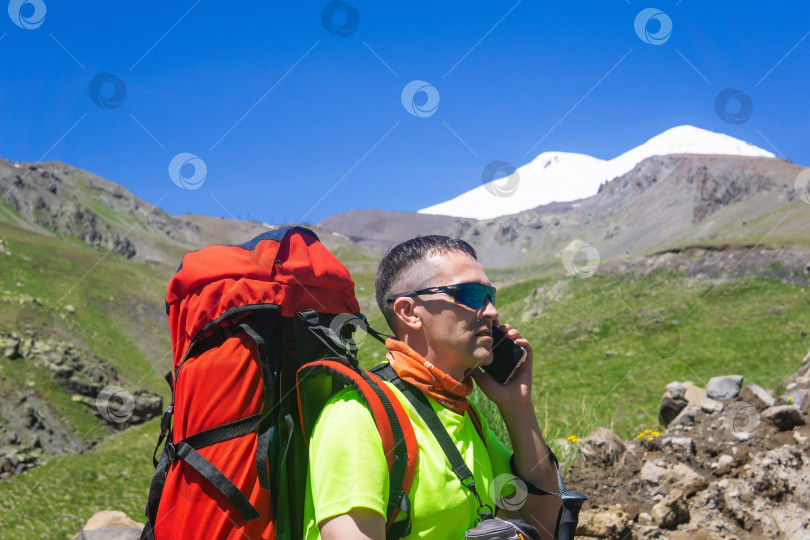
500,529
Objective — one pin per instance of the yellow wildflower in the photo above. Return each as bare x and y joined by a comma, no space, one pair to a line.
648,434
573,438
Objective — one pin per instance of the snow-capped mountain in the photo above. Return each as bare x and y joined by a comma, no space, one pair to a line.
563,176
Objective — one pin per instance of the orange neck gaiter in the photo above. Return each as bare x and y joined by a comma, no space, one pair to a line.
411,367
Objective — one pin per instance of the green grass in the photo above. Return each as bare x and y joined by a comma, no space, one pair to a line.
104,211
55,499
612,342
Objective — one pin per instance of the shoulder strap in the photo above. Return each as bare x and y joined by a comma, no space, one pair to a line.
394,426
387,373
477,423
425,410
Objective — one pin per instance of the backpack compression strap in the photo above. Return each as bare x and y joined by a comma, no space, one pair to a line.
393,425
213,335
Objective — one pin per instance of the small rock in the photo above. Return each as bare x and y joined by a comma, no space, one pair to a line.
604,522
741,436
671,511
675,390
710,405
757,396
723,465
725,387
602,446
694,394
687,415
684,443
784,417
725,460
795,397
110,525
652,473
686,479
60,372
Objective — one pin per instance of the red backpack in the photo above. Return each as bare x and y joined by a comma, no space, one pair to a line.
259,336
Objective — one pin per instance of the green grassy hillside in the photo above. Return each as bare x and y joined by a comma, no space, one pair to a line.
99,302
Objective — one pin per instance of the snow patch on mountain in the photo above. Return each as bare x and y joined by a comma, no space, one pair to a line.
563,176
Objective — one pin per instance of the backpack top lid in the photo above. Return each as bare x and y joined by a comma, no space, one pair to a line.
287,266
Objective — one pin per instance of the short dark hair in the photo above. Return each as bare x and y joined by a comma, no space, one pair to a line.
402,257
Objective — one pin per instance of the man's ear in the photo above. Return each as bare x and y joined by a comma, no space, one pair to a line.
404,309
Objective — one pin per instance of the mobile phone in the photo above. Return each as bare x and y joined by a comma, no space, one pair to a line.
507,357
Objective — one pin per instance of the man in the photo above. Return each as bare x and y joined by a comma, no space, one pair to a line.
441,342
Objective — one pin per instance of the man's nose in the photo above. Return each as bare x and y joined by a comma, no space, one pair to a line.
489,310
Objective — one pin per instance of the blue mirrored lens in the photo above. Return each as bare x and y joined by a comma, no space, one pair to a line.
474,295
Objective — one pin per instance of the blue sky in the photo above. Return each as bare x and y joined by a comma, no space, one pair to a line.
294,123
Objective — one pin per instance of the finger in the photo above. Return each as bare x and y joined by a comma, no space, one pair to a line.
483,380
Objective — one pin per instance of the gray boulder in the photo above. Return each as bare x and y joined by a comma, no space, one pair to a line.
709,405
784,417
755,395
725,387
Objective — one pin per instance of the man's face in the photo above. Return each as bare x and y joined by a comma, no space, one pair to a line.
459,337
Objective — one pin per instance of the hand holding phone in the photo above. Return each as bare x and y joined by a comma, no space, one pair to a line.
507,357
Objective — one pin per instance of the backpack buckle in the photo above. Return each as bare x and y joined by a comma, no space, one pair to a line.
171,452
166,419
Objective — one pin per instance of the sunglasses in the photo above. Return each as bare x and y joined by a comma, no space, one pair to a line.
472,295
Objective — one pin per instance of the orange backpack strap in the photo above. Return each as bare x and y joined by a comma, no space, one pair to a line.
393,424
476,422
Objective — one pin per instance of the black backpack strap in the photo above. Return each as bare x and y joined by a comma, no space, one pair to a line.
462,472
159,478
267,360
155,491
187,451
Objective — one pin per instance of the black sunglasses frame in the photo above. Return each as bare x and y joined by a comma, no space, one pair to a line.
454,291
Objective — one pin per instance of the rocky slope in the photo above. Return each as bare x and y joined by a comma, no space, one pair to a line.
733,463
31,425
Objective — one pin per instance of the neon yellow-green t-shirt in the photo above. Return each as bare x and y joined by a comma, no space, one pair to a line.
347,468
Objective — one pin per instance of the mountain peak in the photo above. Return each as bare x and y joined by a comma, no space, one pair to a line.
564,176
688,139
